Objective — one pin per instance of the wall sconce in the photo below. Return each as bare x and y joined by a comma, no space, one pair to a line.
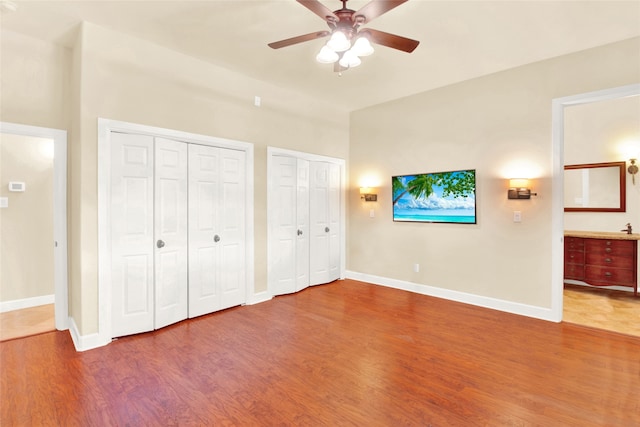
519,189
633,170
368,194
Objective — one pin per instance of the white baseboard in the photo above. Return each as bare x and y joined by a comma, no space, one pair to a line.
481,301
259,297
19,304
84,342
611,288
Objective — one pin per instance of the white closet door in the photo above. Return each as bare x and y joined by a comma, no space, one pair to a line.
170,232
302,231
204,176
216,229
283,232
132,239
232,231
319,223
334,221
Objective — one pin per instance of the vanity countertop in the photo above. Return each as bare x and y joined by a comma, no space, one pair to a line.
602,235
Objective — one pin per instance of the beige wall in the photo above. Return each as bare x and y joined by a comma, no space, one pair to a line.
501,126
605,131
26,226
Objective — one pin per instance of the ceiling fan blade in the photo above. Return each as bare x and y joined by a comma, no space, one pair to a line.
375,8
319,9
391,40
298,39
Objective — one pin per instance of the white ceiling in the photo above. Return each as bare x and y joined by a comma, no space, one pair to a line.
459,40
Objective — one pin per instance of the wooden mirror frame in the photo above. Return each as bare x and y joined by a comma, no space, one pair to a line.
623,188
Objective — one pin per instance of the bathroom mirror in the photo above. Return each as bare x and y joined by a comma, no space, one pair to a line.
595,187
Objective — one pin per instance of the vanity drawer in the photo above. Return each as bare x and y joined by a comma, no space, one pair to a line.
574,271
573,243
597,275
612,247
608,260
573,257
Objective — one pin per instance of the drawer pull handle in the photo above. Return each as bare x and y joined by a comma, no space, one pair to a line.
607,274
608,243
607,260
607,250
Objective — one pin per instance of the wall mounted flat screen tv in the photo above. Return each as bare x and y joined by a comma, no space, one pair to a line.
448,197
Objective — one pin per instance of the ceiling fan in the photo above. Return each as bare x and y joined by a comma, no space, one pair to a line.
344,25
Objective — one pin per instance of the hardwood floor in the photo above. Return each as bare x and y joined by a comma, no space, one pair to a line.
602,308
26,322
347,353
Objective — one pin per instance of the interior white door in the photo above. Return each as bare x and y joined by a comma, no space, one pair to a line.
289,240
171,278
132,234
216,229
324,219
302,230
232,231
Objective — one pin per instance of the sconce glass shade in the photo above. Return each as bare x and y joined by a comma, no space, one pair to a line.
349,60
327,56
366,190
362,47
518,183
338,42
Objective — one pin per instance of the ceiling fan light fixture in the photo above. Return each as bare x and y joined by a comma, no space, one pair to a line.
327,56
338,42
349,60
362,47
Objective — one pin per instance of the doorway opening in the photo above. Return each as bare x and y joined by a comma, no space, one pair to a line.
564,306
33,218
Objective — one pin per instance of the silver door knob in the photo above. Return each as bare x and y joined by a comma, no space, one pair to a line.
299,232
216,238
160,244
326,229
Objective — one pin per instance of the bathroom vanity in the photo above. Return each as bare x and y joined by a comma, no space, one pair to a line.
602,258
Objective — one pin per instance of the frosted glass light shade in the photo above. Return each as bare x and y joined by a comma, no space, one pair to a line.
362,47
349,60
338,42
327,56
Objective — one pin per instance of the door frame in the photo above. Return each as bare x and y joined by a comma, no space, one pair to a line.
557,187
274,151
105,127
61,285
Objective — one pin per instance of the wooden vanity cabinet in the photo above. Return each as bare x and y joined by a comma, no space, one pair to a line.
602,262
574,258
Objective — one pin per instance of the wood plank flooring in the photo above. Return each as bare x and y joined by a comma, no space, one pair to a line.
343,354
26,322
603,308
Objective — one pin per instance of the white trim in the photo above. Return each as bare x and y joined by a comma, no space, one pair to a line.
105,127
61,285
557,182
480,301
19,304
274,151
84,342
259,297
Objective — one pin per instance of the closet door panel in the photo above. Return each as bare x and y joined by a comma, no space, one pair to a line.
204,248
131,234
319,223
283,231
232,232
302,229
334,222
170,232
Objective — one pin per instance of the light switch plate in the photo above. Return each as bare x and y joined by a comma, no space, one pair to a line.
4,202
517,216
